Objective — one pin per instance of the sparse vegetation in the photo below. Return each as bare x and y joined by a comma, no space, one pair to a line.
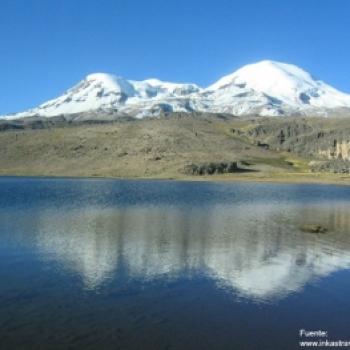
163,148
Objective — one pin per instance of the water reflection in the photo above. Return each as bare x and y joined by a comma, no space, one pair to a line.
254,250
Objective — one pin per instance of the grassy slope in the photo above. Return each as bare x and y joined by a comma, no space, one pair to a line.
147,148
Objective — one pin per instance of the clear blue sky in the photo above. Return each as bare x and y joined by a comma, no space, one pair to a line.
47,46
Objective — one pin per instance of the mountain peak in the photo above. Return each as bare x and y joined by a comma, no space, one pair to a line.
269,77
110,82
100,77
266,88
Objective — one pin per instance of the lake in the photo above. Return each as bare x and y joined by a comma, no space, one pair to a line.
119,264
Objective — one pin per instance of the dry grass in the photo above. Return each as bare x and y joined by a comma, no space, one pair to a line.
156,148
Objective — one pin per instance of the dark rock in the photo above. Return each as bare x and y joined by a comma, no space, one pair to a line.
313,228
211,168
263,145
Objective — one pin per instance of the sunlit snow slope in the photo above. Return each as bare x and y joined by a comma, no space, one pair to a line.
266,88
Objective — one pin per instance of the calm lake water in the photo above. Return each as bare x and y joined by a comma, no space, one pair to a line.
107,264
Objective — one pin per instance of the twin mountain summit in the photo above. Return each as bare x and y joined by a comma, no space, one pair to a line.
266,88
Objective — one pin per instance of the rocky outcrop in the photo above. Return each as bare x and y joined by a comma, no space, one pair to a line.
313,228
212,168
314,138
331,166
342,150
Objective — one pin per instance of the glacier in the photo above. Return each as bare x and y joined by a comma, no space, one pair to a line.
266,88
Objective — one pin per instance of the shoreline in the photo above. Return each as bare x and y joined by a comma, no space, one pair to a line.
287,179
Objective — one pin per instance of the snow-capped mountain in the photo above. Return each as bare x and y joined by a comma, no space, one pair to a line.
105,92
266,88
274,88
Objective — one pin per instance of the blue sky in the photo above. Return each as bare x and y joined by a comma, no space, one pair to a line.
46,46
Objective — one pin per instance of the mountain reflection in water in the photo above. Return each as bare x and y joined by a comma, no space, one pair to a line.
254,250
118,264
